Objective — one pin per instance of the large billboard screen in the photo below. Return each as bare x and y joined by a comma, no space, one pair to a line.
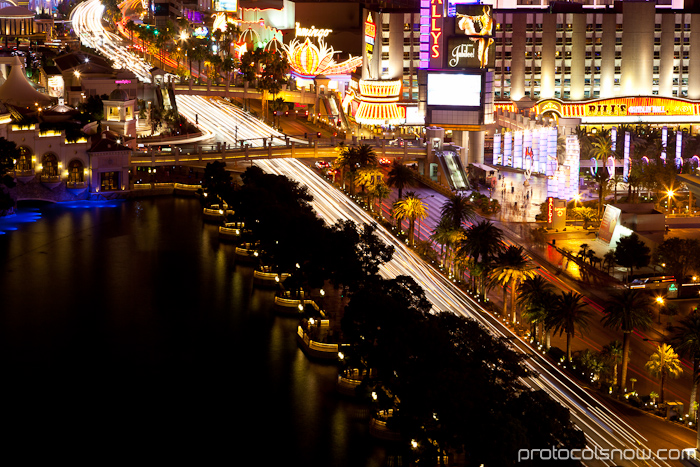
470,52
226,5
454,89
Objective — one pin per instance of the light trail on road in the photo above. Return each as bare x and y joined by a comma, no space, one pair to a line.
87,22
228,123
603,428
220,120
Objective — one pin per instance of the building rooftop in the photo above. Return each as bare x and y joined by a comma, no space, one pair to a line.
16,12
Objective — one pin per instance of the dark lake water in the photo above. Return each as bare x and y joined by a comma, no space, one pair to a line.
129,320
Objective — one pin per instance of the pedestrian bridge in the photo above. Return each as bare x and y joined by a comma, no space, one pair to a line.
242,92
203,155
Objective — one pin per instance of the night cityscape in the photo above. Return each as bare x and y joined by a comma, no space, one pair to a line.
341,233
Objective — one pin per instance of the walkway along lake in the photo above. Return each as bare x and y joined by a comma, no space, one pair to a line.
130,321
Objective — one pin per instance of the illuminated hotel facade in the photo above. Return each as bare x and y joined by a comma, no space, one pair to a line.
601,51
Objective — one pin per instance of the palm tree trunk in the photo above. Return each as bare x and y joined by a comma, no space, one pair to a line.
411,231
625,358
694,389
548,339
661,386
505,302
513,311
568,347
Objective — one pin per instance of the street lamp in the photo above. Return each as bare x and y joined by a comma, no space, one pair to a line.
669,196
660,301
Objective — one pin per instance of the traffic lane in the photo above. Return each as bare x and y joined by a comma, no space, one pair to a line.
669,437
446,296
597,335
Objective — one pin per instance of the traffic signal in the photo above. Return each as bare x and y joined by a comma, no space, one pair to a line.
286,113
275,113
318,134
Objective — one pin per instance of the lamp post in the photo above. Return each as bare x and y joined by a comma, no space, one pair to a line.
660,301
669,196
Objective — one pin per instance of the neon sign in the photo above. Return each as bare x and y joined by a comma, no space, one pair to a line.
370,35
122,81
550,209
622,107
435,27
312,32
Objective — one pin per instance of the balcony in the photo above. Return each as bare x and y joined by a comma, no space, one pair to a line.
50,181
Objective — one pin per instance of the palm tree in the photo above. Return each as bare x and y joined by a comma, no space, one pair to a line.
410,208
400,177
380,192
601,147
228,66
533,297
458,209
686,338
568,315
626,311
663,363
441,234
612,352
483,242
609,259
368,177
601,178
511,268
351,159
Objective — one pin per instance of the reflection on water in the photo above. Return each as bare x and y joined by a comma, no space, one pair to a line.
136,318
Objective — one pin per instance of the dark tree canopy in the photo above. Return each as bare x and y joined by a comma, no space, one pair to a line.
631,252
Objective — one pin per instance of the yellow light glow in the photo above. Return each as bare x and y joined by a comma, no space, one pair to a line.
308,59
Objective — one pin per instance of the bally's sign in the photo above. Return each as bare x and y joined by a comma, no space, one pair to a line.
469,52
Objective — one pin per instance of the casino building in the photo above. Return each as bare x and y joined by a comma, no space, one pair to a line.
601,61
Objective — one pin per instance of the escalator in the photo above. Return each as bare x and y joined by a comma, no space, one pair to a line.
331,104
453,169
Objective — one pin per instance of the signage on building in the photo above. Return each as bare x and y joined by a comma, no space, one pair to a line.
474,20
454,89
436,14
622,107
465,52
122,81
556,213
201,32
312,32
226,5
370,35
610,220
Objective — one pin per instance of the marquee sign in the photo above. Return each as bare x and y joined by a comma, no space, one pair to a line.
466,52
370,35
621,107
436,13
